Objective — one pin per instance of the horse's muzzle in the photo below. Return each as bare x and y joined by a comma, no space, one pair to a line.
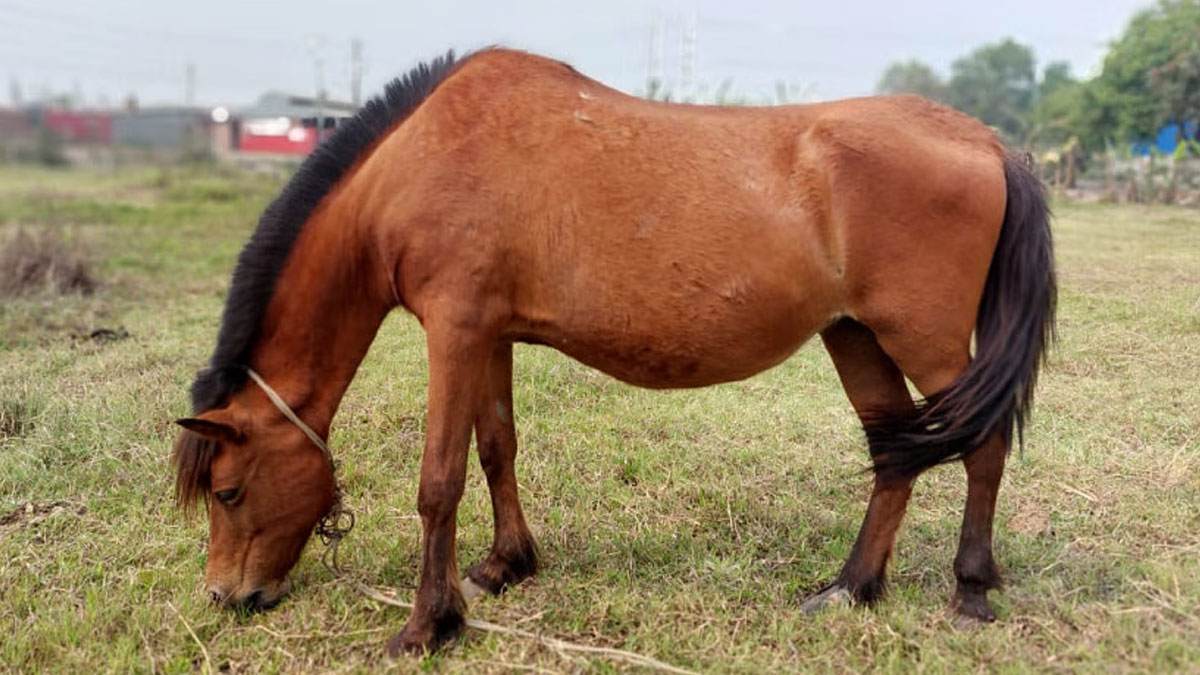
255,601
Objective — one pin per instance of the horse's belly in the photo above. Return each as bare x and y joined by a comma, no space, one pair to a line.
664,370
685,351
686,309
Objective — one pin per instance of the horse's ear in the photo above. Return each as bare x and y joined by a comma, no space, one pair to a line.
212,429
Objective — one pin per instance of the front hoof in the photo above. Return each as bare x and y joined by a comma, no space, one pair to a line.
420,638
828,598
971,610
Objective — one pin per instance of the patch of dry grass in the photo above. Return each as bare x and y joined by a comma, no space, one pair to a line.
45,261
686,525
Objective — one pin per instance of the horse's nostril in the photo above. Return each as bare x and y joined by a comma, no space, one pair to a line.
216,596
254,601
258,602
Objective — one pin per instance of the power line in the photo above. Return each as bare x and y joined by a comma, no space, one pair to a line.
127,30
40,63
23,28
86,56
873,33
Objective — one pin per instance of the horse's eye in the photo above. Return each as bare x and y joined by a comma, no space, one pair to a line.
227,496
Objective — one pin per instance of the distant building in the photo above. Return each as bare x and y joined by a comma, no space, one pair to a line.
280,123
79,126
167,127
17,132
16,123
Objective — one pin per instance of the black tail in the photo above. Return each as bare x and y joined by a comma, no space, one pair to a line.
1013,330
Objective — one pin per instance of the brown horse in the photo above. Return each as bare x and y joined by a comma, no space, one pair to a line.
506,198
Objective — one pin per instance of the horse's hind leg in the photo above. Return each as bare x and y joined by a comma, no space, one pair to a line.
874,385
974,567
932,363
514,555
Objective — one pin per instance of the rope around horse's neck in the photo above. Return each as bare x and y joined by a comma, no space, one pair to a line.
339,520
289,413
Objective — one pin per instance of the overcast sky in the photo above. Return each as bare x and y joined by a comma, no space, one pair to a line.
106,49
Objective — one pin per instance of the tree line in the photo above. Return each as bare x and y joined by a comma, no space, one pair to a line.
1150,78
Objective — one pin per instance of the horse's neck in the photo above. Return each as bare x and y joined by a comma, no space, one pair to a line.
327,306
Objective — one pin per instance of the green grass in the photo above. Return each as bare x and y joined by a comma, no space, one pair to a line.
687,526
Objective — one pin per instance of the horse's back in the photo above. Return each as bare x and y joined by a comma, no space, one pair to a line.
678,245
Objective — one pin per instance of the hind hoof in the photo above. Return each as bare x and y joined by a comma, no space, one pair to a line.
830,598
501,571
472,590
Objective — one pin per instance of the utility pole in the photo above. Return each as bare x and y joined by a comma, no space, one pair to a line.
14,92
189,84
687,54
356,71
315,44
653,62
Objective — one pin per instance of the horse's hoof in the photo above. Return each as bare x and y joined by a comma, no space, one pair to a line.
405,643
971,611
472,590
421,640
829,598
497,573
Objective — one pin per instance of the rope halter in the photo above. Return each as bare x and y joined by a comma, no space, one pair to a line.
338,520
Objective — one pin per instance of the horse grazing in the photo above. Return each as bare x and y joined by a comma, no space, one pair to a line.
504,198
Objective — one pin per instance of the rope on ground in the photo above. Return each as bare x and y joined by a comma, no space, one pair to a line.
553,643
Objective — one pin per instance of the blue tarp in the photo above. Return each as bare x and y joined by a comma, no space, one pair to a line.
1167,139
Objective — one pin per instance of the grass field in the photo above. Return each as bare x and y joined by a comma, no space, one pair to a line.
686,526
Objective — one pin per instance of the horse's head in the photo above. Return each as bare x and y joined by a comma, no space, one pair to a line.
265,486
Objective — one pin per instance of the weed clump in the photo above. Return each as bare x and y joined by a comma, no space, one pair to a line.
46,262
16,417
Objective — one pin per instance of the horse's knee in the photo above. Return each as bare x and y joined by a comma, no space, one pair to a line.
437,498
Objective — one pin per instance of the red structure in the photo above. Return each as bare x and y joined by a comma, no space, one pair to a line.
279,135
284,124
79,126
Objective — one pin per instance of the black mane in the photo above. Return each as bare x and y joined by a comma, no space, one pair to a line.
264,256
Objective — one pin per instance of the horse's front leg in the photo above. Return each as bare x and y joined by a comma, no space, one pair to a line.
514,555
458,359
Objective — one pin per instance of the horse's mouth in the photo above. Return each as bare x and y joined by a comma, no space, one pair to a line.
254,602
258,602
